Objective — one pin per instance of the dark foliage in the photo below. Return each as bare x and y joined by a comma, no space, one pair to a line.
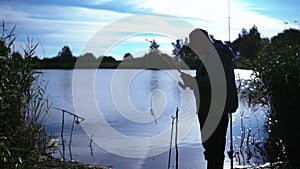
22,104
277,67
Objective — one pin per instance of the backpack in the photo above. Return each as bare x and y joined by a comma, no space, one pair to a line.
226,55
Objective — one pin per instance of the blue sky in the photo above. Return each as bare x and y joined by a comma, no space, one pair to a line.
54,24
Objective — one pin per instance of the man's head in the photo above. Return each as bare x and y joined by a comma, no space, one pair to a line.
200,42
195,33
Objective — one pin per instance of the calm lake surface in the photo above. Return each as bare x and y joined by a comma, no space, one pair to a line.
128,118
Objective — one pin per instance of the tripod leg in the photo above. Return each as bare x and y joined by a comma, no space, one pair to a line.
230,152
170,153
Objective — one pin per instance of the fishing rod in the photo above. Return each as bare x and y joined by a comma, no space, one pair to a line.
171,64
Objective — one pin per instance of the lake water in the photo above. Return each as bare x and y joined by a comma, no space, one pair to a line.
128,118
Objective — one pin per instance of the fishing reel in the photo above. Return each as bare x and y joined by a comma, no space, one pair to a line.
183,86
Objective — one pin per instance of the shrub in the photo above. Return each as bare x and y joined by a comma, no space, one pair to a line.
278,69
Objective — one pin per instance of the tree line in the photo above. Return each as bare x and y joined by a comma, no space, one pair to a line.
246,46
66,60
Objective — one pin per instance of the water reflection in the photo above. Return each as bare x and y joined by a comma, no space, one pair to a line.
148,89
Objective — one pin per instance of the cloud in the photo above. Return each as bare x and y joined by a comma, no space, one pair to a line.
132,6
213,16
130,33
56,26
139,44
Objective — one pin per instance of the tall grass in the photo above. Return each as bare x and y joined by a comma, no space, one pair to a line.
23,105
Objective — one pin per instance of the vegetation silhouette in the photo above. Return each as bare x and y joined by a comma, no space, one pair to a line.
23,104
277,66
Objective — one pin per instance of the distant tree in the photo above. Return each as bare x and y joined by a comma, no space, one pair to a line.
64,59
244,33
177,48
248,43
153,45
65,54
87,60
107,59
254,33
88,57
128,56
182,50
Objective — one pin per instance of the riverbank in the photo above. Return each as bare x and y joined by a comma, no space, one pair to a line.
45,162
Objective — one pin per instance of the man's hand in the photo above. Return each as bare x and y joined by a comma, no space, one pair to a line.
187,80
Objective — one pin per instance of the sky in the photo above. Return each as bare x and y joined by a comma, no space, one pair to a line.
54,24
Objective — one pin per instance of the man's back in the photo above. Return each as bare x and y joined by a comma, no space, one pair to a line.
226,56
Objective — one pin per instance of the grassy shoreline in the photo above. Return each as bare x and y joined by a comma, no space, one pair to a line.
47,162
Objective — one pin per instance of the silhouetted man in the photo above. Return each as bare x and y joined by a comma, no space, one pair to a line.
213,121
